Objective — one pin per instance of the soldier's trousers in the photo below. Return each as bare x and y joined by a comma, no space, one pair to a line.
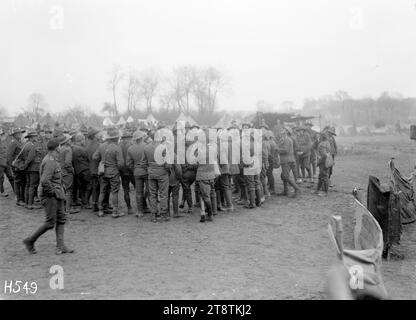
140,184
224,186
109,185
263,180
94,190
207,191
323,177
173,194
125,182
304,161
253,186
270,178
32,181
20,185
330,169
285,176
6,171
158,188
188,178
313,161
84,186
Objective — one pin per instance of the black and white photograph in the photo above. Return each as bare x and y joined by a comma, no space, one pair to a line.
207,155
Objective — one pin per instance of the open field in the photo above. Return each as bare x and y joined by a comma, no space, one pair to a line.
280,251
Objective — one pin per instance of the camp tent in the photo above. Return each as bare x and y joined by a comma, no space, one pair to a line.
189,119
107,122
130,119
121,121
150,119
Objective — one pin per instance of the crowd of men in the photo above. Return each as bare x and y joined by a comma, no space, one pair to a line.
94,166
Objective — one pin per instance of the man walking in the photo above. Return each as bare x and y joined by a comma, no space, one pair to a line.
53,196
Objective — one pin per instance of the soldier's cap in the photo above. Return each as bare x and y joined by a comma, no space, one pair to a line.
138,134
64,138
332,131
126,134
17,130
52,144
92,133
194,126
31,133
112,133
309,124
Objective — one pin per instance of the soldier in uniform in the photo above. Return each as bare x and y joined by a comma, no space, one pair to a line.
158,182
67,171
111,156
13,150
304,153
265,151
136,161
251,174
205,178
81,163
52,194
274,162
188,177
92,146
324,149
32,158
334,150
314,149
285,149
3,161
126,173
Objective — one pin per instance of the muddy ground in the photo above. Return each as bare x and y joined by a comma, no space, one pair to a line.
280,251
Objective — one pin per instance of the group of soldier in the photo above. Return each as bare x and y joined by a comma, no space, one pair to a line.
65,171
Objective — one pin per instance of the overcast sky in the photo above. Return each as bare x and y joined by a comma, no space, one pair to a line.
271,50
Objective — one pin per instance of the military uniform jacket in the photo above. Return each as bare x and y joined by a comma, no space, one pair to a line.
32,157
304,143
91,148
65,160
13,150
285,149
323,149
136,159
80,160
50,184
154,170
111,154
3,154
333,144
125,170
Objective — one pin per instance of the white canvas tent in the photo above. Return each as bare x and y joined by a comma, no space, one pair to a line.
121,121
150,119
130,119
189,119
107,122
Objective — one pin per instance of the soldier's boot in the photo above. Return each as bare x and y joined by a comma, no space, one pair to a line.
29,242
297,189
210,209
95,207
251,203
218,196
61,248
259,197
214,204
285,189
236,188
319,186
182,205
229,200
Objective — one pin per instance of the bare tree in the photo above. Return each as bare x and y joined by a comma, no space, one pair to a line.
182,84
132,91
36,106
148,84
110,108
116,76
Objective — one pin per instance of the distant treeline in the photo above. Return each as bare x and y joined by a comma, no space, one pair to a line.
341,109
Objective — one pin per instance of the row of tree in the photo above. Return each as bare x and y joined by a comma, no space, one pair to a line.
185,89
341,109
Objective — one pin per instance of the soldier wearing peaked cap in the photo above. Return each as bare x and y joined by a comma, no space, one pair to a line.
13,150
110,155
137,163
67,170
52,193
126,173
